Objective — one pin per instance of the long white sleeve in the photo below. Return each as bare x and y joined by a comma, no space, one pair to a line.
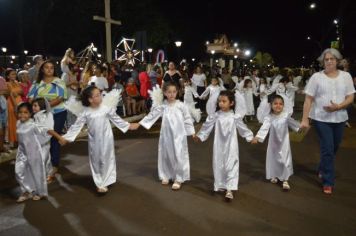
152,117
205,93
263,131
188,121
293,124
206,128
75,128
244,131
117,121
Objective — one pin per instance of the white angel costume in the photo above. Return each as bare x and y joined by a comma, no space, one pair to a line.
279,156
240,104
30,169
226,149
101,140
248,94
177,124
45,117
213,92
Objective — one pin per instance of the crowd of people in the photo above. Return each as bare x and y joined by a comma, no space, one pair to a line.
21,90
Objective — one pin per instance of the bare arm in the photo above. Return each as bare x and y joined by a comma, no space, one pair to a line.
306,110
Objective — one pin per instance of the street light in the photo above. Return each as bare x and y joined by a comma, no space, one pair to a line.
25,52
212,52
150,50
207,42
312,5
309,38
235,56
336,21
13,57
178,45
247,53
4,50
235,45
193,59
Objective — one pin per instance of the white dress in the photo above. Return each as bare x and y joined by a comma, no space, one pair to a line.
213,92
226,148
177,124
30,170
279,156
101,141
248,94
290,92
46,119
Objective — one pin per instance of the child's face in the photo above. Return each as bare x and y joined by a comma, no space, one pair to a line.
224,103
214,82
171,93
96,98
35,107
277,106
24,114
249,85
12,75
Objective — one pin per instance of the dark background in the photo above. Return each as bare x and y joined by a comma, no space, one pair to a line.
277,27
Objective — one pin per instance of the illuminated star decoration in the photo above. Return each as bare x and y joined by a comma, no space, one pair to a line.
89,53
128,54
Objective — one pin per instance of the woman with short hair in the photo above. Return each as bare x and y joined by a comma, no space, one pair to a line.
328,93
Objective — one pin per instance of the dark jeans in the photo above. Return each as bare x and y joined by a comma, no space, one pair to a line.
201,103
330,137
59,120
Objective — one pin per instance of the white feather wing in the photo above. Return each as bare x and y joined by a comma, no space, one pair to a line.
112,98
156,95
74,106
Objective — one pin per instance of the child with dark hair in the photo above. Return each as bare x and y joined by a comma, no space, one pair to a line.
42,115
213,90
177,124
279,164
97,116
30,168
226,148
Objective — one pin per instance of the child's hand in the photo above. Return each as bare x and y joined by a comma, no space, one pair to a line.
254,140
195,138
62,141
134,126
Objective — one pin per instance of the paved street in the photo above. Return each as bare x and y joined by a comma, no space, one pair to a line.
138,205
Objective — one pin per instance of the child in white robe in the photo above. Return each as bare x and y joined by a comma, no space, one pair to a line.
226,149
177,124
30,169
43,116
248,92
279,164
101,151
213,90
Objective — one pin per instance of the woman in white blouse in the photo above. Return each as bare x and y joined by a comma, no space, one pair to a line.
199,83
328,93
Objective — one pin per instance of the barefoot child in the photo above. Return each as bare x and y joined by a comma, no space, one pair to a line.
226,149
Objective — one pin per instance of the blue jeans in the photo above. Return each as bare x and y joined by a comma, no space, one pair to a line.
330,137
59,120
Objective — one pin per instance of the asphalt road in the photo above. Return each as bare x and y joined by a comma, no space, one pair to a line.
139,205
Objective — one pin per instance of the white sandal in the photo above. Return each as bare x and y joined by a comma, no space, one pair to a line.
274,180
24,197
102,190
285,185
165,182
176,186
229,195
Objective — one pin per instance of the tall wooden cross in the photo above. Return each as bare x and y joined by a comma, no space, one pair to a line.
108,22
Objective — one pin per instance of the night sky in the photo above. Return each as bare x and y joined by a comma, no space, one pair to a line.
278,27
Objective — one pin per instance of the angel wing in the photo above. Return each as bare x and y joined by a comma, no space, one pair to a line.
194,112
112,98
74,105
156,95
240,104
263,109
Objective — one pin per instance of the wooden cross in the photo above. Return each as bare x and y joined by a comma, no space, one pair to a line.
108,22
